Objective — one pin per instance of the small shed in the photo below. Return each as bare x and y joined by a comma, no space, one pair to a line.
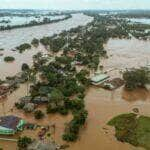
9,125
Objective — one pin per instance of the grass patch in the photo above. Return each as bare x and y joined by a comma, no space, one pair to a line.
132,129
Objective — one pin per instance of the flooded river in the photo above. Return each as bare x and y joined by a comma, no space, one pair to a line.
15,37
102,105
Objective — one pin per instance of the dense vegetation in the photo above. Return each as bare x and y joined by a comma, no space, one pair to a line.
134,14
136,78
132,129
34,23
122,27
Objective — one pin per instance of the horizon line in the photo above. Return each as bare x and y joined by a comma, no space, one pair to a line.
92,9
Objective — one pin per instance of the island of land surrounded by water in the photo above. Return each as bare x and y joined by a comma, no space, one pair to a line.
102,105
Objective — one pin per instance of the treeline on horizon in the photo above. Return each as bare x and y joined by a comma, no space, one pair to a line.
34,23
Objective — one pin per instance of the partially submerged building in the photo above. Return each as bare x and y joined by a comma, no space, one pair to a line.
9,125
40,100
3,91
112,84
99,78
38,145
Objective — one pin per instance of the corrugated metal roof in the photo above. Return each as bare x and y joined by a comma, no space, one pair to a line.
9,122
99,78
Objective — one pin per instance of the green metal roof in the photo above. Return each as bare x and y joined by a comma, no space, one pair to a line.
99,78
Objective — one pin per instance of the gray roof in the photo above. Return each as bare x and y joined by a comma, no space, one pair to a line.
10,122
38,145
39,100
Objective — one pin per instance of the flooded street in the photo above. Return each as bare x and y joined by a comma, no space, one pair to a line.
7,108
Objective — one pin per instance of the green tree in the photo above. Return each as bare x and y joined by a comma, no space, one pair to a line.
25,67
38,114
56,96
23,142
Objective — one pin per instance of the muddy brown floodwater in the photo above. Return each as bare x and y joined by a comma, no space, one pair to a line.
102,105
12,38
124,53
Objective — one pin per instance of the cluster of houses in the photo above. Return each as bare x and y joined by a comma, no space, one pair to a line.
9,125
30,104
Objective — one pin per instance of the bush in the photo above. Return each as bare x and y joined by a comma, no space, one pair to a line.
19,105
35,42
23,142
25,67
9,59
63,111
70,137
23,47
38,114
51,109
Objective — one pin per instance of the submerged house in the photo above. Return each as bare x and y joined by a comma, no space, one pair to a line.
9,125
99,78
3,91
38,145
